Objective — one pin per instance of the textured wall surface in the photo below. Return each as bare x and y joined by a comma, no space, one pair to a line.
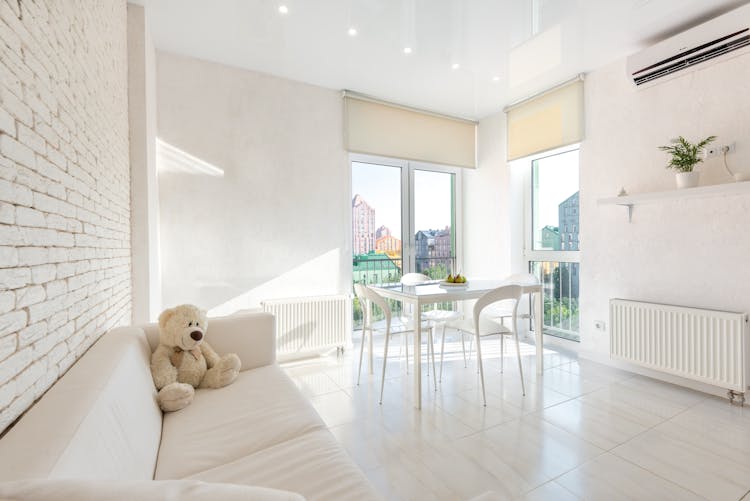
270,218
691,252
64,188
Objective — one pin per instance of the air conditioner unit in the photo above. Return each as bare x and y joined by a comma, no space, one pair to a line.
715,38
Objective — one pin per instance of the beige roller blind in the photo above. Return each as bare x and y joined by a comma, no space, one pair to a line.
550,120
379,128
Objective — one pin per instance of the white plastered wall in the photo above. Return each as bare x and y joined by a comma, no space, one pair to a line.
251,204
690,252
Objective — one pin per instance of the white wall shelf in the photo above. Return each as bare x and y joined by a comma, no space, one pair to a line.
715,190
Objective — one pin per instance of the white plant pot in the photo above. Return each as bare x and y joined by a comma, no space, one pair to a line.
687,179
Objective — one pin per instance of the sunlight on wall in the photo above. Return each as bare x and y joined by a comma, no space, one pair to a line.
318,277
172,159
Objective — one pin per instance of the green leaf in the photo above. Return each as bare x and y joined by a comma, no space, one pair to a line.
685,155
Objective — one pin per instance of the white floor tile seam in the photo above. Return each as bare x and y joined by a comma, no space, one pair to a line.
566,368
650,428
660,477
551,482
605,449
684,411
614,452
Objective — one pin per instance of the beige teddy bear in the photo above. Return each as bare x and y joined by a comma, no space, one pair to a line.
184,361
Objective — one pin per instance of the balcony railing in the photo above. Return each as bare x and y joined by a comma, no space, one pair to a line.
560,281
384,270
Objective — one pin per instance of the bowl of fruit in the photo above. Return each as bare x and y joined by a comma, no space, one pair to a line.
456,280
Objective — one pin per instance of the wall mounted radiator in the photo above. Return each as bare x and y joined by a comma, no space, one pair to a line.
311,325
703,345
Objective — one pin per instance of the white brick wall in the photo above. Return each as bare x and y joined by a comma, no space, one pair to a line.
64,188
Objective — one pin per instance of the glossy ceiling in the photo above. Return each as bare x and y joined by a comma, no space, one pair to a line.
505,49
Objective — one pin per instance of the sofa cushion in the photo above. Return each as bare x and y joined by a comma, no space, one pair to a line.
99,421
251,336
259,409
143,490
313,464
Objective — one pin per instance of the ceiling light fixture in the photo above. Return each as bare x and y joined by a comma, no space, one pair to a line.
407,50
496,79
352,32
283,9
455,66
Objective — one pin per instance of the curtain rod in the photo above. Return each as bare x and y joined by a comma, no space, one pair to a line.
577,78
371,99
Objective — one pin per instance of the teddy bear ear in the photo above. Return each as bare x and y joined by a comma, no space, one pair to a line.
165,316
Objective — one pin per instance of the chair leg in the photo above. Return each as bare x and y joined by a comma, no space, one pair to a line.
502,353
385,359
361,352
520,368
432,351
442,351
481,369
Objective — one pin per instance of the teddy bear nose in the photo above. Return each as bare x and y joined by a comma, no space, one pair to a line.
196,335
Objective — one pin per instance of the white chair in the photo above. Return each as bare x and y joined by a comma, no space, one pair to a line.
484,326
435,317
368,298
502,312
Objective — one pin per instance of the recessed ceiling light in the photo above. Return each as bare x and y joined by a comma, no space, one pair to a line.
495,79
455,66
352,32
283,9
407,50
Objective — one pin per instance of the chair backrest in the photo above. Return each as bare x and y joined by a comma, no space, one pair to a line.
525,280
414,279
367,295
503,293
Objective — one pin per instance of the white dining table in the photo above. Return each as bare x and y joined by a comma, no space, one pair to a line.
431,293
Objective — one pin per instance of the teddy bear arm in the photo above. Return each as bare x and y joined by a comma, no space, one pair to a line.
162,370
212,358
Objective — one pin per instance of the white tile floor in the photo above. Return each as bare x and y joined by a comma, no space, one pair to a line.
583,430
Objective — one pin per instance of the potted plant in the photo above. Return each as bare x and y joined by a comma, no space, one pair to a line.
685,156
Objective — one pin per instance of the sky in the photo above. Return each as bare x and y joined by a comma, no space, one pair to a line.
380,186
558,179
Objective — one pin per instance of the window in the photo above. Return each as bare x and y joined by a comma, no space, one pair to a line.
552,243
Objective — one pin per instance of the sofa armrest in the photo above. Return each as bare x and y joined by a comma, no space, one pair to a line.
252,336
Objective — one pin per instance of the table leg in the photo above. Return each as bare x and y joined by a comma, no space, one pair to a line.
538,330
417,355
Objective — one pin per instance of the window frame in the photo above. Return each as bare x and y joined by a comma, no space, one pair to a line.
408,167
529,254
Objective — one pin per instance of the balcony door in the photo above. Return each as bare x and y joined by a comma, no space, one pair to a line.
403,219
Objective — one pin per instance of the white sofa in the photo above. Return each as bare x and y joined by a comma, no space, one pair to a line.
100,427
